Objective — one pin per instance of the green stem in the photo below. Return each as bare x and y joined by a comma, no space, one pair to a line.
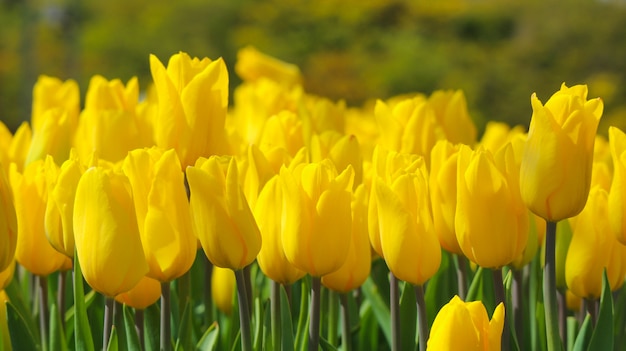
208,302
247,275
498,285
346,332
333,317
275,315
43,309
108,321
421,317
562,306
394,306
592,308
518,299
549,290
61,293
183,287
461,276
166,327
244,311
140,328
314,328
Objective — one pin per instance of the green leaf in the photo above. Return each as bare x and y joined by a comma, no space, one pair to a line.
184,332
380,309
286,333
475,286
510,316
21,338
442,286
132,339
368,332
602,337
257,324
326,346
302,331
208,341
572,329
57,337
408,317
620,318
152,327
112,346
82,331
582,339
16,297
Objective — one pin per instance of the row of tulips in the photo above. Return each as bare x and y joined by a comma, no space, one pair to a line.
395,212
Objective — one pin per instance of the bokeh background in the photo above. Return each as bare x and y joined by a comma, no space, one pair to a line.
497,52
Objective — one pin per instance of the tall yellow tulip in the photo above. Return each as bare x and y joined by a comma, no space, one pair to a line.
106,234
491,221
221,216
450,108
466,326
8,222
162,212
193,98
555,174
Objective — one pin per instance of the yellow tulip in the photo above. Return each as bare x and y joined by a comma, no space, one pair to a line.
284,131
58,220
442,182
162,212
259,169
491,221
8,222
6,137
407,236
466,326
33,251
317,217
193,98
450,109
591,235
109,125
356,269
141,296
617,196
54,137
269,213
221,216
555,174
343,150
6,275
50,93
223,289
20,145
253,64
106,234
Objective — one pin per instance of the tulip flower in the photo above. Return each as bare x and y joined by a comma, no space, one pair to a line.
450,109
33,251
491,221
162,212
466,326
8,222
54,137
284,131
407,236
20,145
343,150
141,296
58,220
253,64
223,289
6,275
193,98
617,195
50,93
555,175
221,217
317,216
106,234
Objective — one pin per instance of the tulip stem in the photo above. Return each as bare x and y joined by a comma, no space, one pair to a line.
314,327
166,327
208,302
518,299
139,327
461,275
244,312
346,338
421,317
108,321
498,285
61,293
333,316
43,309
549,290
592,308
562,304
275,315
394,306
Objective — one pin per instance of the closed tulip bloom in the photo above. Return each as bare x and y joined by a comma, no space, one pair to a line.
442,182
269,216
356,269
221,216
193,98
253,64
450,109
342,149
142,295
20,145
58,220
491,221
555,174
617,196
50,93
54,137
593,249
284,131
8,222
317,216
162,210
407,237
106,234
466,326
33,251
223,286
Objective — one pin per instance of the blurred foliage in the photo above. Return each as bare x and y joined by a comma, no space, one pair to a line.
498,52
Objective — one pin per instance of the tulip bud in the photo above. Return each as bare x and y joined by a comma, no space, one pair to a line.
223,289
142,295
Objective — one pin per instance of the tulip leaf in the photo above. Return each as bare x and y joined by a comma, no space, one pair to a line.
208,341
17,301
408,317
286,323
534,290
602,337
572,329
82,330
57,337
21,338
380,309
582,339
303,320
152,325
112,346
620,318
368,331
474,289
132,339
510,312
184,332
326,346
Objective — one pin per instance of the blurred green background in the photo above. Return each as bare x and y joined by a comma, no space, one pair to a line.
497,52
